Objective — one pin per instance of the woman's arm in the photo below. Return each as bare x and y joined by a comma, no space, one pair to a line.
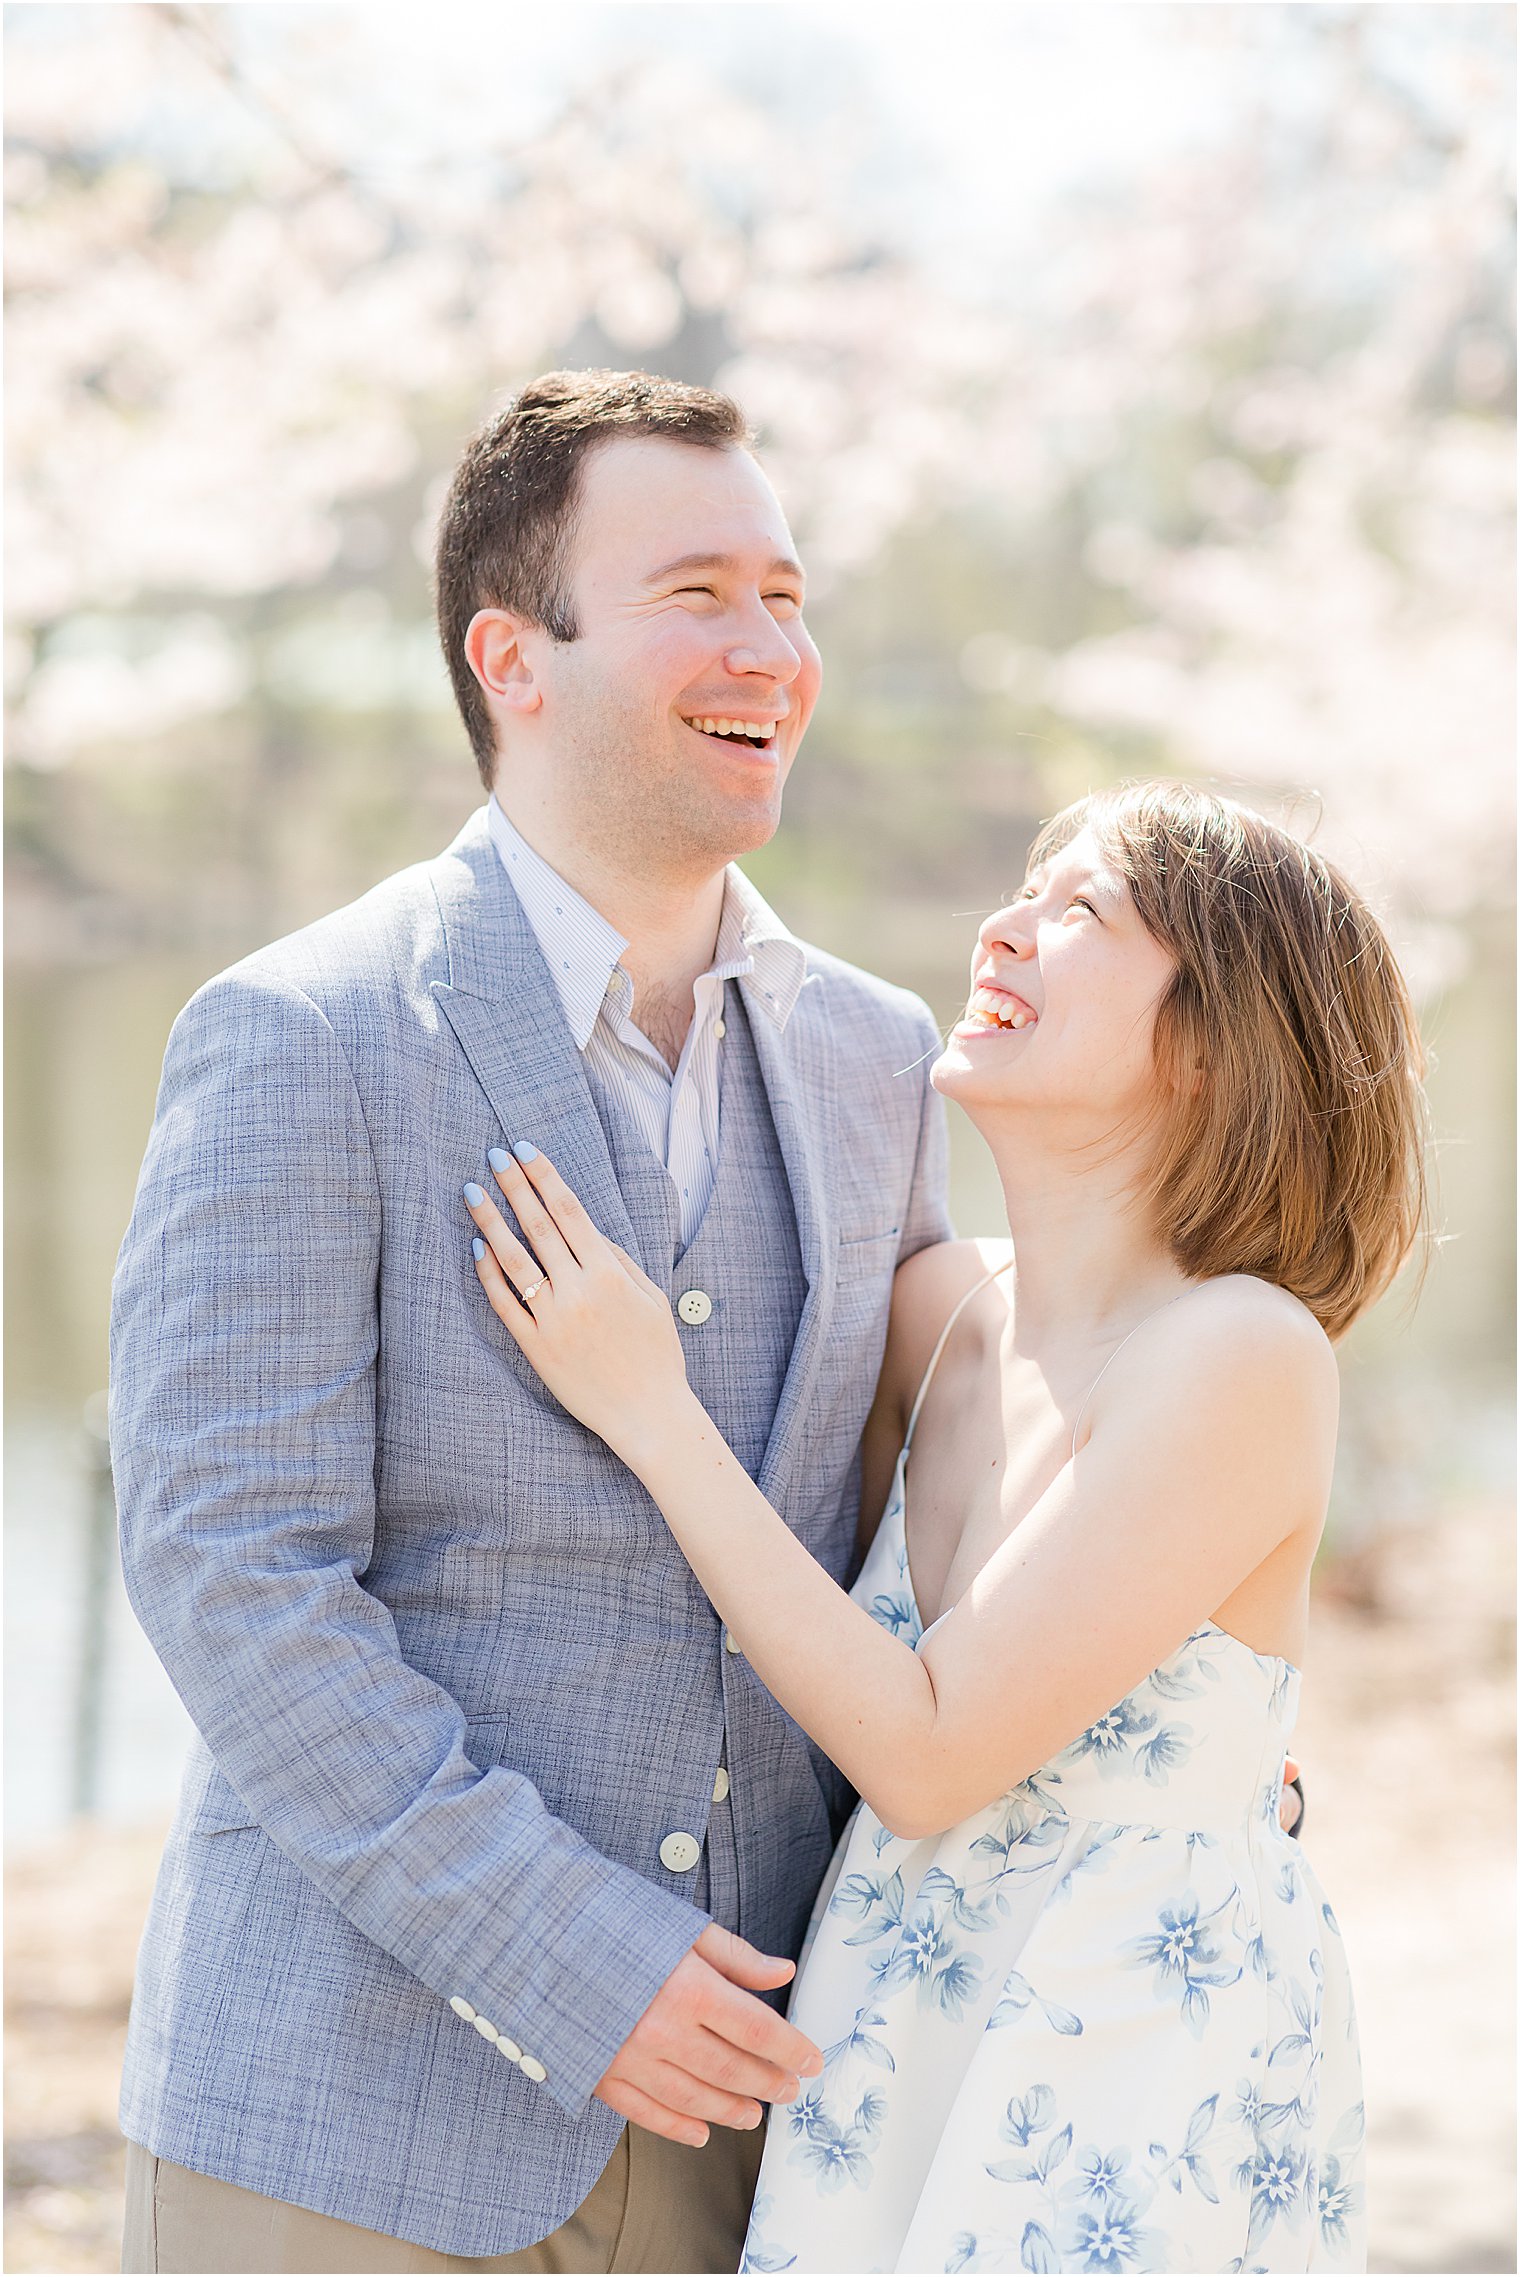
1212,1452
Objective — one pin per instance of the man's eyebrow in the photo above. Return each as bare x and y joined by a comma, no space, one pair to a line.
782,566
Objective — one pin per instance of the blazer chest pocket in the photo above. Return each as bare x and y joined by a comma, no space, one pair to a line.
860,1254
488,1741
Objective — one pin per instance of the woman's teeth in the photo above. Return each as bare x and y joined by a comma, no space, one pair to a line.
994,1010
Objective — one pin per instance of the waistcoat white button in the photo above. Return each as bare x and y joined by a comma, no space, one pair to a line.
731,1643
680,1852
533,2068
486,2031
508,2048
461,2007
720,1785
695,1307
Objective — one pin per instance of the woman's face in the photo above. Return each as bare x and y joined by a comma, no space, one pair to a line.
1065,982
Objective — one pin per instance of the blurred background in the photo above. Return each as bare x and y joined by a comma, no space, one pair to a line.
1140,384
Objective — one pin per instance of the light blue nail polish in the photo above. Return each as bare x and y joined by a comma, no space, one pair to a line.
479,1248
498,1158
523,1151
474,1194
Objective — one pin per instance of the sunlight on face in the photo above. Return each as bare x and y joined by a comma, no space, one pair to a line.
1060,1020
688,598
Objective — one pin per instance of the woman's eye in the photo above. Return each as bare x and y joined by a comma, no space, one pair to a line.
1078,901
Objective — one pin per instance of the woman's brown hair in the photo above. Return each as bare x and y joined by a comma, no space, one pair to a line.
1290,1138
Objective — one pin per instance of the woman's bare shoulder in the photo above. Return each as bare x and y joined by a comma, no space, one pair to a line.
1251,1318
1244,1344
926,1290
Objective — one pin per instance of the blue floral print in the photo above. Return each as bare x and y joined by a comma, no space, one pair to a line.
1019,1994
1189,1958
761,2259
1111,1739
1103,2025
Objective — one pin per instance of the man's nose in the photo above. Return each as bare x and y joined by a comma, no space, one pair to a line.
763,648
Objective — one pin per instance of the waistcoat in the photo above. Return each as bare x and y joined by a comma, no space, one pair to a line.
736,1355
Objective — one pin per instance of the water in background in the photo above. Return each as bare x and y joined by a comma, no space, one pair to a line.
92,1720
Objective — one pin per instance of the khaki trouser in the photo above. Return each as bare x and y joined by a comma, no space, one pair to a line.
658,2206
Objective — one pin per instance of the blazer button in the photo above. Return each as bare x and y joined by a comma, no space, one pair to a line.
720,1786
695,1307
680,1852
461,2007
532,2067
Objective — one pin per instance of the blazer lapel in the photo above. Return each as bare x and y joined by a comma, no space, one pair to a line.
502,1005
797,1064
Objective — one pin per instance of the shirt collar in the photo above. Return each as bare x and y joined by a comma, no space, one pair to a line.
775,959
582,949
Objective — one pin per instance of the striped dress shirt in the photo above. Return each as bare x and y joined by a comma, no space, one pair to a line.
676,1112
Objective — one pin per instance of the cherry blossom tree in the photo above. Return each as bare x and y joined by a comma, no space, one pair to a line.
1215,476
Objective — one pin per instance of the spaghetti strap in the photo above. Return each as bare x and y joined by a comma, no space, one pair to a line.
944,1338
1143,1321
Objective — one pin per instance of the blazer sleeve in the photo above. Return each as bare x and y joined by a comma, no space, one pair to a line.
244,1342
928,1214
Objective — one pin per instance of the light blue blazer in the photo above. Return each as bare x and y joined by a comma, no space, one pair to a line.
453,1680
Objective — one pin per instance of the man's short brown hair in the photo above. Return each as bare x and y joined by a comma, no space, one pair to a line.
505,538
1289,1138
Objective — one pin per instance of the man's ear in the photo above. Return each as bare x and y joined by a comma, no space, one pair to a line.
495,648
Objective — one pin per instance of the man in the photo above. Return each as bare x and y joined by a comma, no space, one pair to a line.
491,1847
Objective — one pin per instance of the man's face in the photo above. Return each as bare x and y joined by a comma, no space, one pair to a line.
688,597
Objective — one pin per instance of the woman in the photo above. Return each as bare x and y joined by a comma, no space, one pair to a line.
1081,2001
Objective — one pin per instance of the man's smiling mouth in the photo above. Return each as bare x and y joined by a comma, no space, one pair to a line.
759,734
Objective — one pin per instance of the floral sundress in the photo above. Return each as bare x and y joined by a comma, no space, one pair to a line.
1103,2024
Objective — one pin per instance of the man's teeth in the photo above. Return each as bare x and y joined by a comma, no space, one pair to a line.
995,1011
757,731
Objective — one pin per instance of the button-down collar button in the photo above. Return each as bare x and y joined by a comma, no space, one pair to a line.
486,2030
695,1307
461,2007
680,1852
508,2048
731,1643
720,1785
532,2068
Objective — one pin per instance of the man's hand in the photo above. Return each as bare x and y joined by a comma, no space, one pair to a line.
705,2051
1289,1809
